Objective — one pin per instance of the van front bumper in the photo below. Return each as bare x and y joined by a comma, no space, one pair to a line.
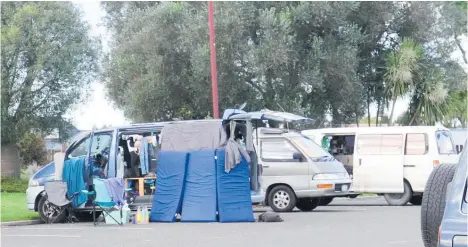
31,194
326,188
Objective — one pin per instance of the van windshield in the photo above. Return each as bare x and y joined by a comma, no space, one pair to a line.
445,142
311,149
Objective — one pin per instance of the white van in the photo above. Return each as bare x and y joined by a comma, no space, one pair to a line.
393,161
296,171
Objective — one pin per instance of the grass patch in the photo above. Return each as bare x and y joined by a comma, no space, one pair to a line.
14,207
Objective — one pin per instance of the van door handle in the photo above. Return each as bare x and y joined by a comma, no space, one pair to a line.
265,166
360,161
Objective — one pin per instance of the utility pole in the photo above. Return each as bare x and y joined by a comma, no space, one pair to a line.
214,79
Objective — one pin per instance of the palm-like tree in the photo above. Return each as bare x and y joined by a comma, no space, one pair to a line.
431,96
401,70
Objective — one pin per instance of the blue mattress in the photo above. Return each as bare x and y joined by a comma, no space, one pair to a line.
169,186
199,201
233,189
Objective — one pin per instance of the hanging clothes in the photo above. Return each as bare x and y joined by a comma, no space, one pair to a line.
234,151
120,163
144,163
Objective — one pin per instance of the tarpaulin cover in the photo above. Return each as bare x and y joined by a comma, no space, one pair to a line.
199,201
233,189
192,136
169,186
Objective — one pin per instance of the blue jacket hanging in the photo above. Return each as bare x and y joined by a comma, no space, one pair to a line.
144,156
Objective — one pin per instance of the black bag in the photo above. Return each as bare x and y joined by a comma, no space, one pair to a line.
270,217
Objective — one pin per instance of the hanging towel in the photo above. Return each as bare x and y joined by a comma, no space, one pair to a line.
115,187
73,174
144,156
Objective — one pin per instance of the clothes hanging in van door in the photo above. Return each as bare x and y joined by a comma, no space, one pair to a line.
144,156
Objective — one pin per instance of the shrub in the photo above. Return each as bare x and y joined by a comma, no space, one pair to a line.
32,149
14,185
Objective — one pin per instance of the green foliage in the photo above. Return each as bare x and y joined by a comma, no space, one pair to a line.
48,60
14,185
32,149
311,58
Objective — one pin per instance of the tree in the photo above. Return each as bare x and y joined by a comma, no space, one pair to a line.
32,149
401,69
48,60
310,58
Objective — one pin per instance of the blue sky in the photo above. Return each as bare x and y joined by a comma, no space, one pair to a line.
99,111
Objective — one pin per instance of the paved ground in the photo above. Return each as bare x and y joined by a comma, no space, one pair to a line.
344,223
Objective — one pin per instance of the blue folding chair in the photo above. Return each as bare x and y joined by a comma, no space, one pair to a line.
101,198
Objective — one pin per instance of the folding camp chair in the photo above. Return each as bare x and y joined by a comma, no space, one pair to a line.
101,198
58,201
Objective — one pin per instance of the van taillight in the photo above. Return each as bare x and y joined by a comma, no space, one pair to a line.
260,169
435,162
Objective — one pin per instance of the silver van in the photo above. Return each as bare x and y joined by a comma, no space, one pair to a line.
296,172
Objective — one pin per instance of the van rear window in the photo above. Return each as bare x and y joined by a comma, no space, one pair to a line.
445,143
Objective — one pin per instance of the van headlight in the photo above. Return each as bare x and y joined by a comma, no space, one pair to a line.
33,183
329,176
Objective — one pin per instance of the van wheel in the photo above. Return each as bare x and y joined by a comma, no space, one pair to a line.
49,212
324,201
416,200
433,202
282,199
307,204
399,199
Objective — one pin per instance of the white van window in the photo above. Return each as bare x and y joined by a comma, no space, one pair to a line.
310,148
380,144
277,150
101,141
369,144
391,144
416,144
445,142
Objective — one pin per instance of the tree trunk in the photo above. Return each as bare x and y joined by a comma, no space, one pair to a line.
378,112
416,113
11,162
390,119
462,121
368,108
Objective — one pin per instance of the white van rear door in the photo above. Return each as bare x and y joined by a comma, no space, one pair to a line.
378,163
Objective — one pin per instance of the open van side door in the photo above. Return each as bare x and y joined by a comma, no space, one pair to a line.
378,163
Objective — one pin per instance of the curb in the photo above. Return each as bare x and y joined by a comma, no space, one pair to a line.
21,223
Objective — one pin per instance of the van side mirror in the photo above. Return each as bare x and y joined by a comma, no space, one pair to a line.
298,156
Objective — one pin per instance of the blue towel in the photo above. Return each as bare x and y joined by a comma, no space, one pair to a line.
144,156
73,174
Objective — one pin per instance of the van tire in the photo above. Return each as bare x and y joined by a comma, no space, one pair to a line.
307,204
400,199
42,208
324,201
286,195
416,200
433,202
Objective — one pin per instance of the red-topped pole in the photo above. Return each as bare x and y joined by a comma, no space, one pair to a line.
214,79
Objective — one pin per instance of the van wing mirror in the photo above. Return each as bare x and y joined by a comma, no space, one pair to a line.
298,156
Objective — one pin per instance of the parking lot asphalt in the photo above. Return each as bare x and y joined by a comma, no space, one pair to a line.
366,222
